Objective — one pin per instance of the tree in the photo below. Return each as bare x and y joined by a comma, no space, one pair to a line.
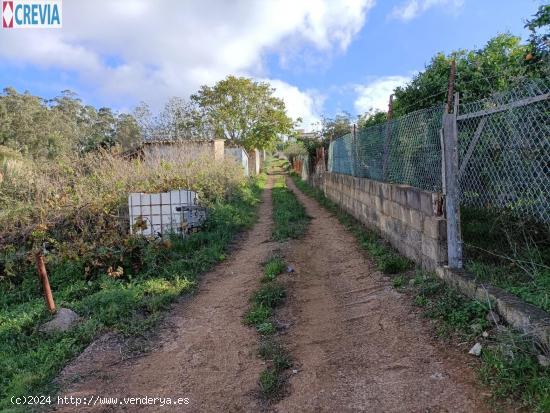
39,128
495,67
538,58
340,125
371,118
127,133
180,119
244,111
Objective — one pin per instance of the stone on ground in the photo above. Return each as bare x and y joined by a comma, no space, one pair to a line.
64,320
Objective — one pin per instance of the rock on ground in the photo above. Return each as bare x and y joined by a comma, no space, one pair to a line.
64,320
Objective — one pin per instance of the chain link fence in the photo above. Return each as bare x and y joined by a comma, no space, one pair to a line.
504,151
406,150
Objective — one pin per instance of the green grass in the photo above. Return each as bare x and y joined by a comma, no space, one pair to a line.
155,273
273,267
509,364
270,383
457,313
266,328
509,253
271,350
289,216
281,164
257,315
270,295
384,256
272,379
263,301
511,370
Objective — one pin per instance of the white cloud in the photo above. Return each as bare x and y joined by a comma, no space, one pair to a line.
411,9
375,95
306,105
144,50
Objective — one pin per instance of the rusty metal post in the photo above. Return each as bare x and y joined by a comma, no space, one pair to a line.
451,87
43,275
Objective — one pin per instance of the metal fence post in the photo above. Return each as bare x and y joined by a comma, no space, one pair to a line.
450,176
387,142
355,155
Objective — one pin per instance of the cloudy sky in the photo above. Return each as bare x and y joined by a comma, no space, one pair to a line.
322,56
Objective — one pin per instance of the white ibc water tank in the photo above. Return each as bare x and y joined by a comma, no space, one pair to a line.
177,212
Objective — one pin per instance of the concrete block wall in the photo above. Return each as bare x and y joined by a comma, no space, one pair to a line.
409,218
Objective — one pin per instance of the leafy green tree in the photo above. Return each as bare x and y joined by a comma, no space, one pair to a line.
244,111
39,128
340,125
497,66
127,132
538,58
372,118
27,126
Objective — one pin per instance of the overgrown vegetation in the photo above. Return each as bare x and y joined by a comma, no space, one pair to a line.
508,360
275,266
113,280
508,252
270,295
289,215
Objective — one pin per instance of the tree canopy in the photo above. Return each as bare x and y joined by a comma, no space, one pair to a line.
244,111
41,128
497,66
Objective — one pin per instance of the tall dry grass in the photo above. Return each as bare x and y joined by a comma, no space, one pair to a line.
78,204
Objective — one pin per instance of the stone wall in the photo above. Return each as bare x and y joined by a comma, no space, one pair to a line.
409,218
180,150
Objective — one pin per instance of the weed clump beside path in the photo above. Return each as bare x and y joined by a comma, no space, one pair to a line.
263,302
289,215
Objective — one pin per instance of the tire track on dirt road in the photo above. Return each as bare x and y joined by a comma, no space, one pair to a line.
204,351
358,344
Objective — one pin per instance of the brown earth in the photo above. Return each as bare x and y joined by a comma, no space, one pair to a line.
357,344
204,351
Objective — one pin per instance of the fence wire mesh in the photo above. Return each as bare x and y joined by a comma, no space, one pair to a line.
504,151
406,150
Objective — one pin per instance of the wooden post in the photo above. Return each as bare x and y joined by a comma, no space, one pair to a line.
451,185
387,141
43,275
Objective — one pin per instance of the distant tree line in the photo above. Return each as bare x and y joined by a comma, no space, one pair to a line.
40,128
238,109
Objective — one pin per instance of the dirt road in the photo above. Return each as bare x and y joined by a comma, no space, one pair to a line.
358,345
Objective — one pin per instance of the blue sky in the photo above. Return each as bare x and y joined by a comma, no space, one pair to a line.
322,56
